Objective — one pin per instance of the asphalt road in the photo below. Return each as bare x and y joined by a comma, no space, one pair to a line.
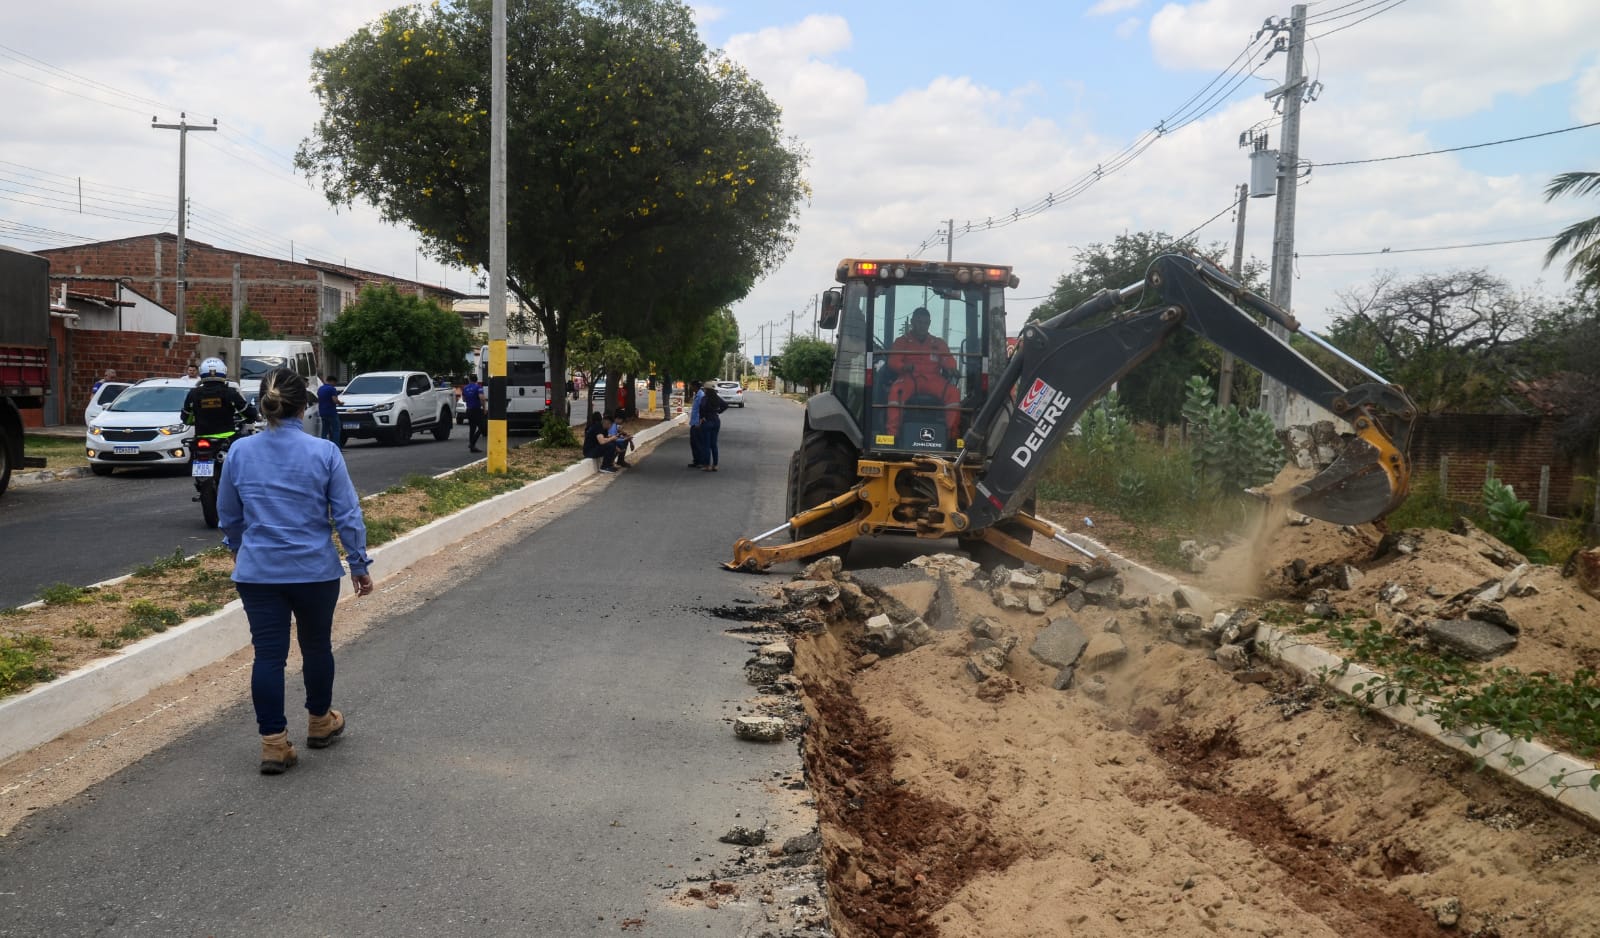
82,531
540,751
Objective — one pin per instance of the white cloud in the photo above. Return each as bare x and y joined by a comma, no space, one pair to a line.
1108,7
1586,98
1129,27
886,176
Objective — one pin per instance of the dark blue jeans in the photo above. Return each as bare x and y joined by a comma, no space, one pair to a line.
697,447
332,429
268,606
708,440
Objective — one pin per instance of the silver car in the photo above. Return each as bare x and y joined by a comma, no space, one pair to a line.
731,392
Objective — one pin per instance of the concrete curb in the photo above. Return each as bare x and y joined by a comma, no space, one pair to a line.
1529,764
41,476
45,712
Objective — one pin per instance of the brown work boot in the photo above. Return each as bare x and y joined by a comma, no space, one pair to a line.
322,731
277,754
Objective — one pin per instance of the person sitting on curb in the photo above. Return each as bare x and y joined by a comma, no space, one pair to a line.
624,440
597,444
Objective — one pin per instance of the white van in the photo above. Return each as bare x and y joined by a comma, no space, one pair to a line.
527,383
259,356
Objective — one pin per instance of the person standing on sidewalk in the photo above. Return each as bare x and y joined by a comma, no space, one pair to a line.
472,398
277,492
328,412
711,407
697,443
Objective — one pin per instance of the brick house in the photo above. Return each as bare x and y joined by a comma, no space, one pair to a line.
123,293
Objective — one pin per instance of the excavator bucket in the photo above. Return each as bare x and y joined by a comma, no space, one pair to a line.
1368,479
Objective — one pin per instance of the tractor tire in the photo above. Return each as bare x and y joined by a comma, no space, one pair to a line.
989,556
441,430
821,470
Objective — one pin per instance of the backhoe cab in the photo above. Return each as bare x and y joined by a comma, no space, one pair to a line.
931,431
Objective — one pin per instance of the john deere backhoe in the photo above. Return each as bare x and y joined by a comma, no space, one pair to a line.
931,430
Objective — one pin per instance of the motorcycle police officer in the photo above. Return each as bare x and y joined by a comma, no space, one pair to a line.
214,407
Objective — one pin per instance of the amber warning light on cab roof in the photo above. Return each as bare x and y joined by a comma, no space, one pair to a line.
899,270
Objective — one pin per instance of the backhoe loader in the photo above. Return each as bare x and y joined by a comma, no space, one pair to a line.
930,430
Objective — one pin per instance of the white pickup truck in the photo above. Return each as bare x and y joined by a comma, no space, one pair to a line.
389,406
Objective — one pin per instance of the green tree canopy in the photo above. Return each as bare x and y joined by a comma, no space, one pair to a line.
1153,391
805,361
648,180
386,330
208,317
1454,341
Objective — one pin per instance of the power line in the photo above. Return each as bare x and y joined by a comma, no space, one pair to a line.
1359,21
1195,107
1442,247
1470,146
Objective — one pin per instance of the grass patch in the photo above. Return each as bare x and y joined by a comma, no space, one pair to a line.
21,665
149,616
59,452
65,594
173,561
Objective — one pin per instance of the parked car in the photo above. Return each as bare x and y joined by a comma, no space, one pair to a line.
143,426
731,392
108,392
390,406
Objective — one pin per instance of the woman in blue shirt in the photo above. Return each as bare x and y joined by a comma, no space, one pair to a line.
277,491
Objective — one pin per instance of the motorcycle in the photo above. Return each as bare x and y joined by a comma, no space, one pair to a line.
206,455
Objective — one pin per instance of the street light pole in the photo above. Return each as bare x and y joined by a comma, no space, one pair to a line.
497,462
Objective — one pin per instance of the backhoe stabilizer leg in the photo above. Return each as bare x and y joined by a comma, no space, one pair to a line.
1025,553
751,557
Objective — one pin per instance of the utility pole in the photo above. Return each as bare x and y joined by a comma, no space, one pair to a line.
183,127
1274,394
1225,385
497,463
950,239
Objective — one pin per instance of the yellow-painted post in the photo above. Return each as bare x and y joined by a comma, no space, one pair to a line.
497,406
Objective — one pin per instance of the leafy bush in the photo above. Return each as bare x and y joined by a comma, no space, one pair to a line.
1235,449
1508,517
555,434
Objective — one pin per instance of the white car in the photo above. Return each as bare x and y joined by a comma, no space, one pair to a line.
142,427
731,392
108,392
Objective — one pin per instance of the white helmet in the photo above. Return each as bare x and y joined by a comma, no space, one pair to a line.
213,368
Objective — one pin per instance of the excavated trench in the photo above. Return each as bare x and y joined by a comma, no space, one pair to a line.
967,787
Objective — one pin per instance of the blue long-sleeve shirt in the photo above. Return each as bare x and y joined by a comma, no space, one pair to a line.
274,498
694,409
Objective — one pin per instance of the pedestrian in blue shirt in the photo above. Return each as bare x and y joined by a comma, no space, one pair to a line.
328,413
697,446
277,492
472,397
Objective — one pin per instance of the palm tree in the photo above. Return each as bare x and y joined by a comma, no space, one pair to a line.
1580,239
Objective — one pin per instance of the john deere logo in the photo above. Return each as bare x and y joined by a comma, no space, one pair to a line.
926,435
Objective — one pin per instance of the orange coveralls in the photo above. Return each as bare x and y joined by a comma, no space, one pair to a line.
918,365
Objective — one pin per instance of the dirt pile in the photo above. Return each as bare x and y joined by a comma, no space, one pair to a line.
1001,771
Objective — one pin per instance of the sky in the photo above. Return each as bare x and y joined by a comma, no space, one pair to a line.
912,116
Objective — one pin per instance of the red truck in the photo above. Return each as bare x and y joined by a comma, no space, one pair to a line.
24,350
